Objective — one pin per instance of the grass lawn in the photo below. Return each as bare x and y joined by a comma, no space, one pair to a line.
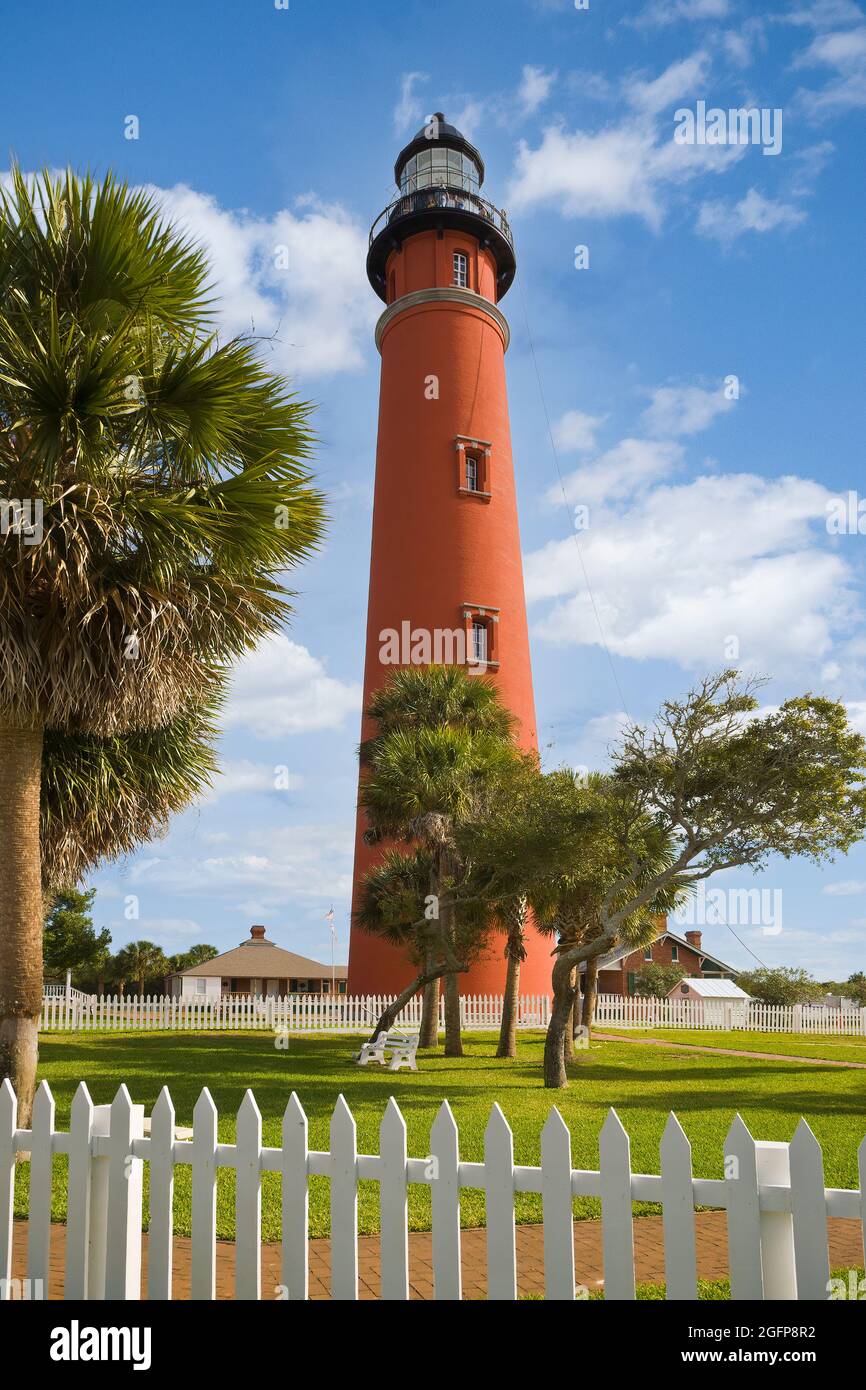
642,1083
838,1049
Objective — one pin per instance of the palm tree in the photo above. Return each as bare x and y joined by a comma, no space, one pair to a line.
102,797
392,905
141,961
442,735
166,471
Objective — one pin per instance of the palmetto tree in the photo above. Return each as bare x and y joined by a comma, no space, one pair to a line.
139,961
442,735
102,797
170,471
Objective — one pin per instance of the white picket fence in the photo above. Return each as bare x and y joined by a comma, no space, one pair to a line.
774,1196
295,1013
618,1011
340,1013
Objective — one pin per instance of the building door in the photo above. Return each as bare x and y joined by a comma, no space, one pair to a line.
273,988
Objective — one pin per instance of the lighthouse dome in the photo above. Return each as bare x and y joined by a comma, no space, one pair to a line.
439,156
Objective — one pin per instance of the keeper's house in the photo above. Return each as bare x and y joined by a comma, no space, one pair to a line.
256,967
618,969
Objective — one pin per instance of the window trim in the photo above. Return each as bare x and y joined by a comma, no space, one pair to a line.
466,282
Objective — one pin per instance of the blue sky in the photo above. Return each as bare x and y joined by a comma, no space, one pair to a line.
264,127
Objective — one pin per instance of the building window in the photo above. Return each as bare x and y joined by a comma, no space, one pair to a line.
471,473
461,270
201,986
675,954
648,953
303,986
474,470
479,641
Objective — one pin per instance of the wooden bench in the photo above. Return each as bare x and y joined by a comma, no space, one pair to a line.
401,1046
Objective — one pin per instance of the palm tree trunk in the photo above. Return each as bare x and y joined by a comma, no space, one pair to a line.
20,912
508,1026
590,994
429,1034
453,1035
555,1074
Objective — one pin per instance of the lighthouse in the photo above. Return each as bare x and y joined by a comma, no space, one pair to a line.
446,579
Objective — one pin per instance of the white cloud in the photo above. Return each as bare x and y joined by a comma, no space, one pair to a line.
681,569
272,864
281,689
623,471
242,775
408,108
677,81
844,52
574,432
671,11
535,88
678,410
725,221
848,888
625,169
297,277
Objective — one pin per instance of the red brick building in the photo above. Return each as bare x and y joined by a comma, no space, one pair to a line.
617,970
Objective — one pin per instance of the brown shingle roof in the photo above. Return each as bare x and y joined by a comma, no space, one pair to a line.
261,959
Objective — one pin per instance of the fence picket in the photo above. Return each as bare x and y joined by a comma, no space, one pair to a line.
744,1214
557,1208
445,1205
248,1201
616,1210
123,1251
159,1240
8,1123
811,1252
344,1203
204,1175
678,1212
499,1205
296,1201
78,1196
393,1204
39,1224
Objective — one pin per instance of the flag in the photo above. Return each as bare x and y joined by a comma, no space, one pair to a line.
329,918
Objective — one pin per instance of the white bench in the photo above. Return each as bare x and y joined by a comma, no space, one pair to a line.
401,1046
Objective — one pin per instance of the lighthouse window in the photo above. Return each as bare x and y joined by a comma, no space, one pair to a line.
479,641
461,270
471,474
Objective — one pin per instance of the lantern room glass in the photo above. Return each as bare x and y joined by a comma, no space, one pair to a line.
440,168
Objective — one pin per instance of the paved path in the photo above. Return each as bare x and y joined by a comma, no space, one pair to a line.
730,1051
846,1252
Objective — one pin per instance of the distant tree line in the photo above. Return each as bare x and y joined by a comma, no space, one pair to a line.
72,942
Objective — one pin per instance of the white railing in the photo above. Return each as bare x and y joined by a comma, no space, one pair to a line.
296,1013
621,1011
774,1196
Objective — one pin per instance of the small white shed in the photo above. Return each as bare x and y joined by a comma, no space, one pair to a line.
720,1003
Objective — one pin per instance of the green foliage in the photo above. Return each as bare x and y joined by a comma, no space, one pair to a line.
196,955
655,981
70,941
171,466
785,984
138,963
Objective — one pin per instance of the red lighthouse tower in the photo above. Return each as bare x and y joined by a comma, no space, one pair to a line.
445,564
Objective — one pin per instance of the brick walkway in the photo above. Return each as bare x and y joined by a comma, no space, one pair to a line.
846,1252
731,1051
